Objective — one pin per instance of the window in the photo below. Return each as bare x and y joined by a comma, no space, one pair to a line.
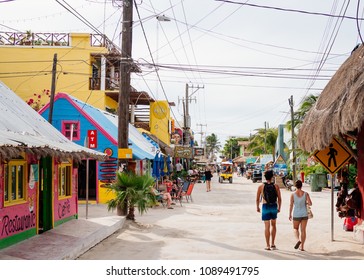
71,129
14,181
65,180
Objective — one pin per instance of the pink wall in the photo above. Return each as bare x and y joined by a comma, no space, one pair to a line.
360,171
67,207
17,218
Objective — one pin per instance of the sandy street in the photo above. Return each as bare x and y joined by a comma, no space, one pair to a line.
223,225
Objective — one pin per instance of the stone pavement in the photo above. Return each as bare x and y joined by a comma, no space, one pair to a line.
68,240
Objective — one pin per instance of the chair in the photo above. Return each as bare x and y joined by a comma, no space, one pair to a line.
161,200
179,195
159,197
188,193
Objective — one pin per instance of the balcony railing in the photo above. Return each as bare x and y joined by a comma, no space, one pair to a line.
53,39
34,39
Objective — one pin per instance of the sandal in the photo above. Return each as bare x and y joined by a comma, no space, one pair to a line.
297,244
267,248
273,247
170,207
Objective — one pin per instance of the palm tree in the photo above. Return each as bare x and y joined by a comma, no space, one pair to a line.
298,118
212,145
231,148
135,190
300,114
264,141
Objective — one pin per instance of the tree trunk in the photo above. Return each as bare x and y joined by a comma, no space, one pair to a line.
131,214
119,210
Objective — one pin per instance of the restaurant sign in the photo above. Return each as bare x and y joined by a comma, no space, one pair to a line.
182,152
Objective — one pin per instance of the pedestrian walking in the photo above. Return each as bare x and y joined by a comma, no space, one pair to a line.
298,203
270,195
208,176
179,168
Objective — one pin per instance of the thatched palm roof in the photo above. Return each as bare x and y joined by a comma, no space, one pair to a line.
340,107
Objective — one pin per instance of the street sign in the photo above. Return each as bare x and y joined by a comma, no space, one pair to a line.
334,156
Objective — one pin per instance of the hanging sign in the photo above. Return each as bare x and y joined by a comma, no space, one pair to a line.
182,152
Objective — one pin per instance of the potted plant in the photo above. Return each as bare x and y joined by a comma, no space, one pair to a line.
133,191
27,40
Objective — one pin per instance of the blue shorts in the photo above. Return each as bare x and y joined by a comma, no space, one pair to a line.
269,211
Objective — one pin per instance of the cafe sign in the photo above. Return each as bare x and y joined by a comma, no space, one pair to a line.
182,152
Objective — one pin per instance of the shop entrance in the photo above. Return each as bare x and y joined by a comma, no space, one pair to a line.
82,175
45,212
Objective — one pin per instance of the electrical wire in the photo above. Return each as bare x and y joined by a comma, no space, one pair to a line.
160,82
291,10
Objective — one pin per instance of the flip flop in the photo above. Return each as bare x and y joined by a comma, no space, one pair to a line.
297,244
273,247
267,248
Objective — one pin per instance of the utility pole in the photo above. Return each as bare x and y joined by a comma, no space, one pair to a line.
265,137
201,125
187,118
125,67
290,101
53,88
124,88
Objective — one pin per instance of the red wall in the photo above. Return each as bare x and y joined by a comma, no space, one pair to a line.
360,147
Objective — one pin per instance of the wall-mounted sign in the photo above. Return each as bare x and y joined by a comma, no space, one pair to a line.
92,139
199,151
125,153
182,152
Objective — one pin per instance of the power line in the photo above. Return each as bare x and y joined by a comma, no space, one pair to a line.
291,10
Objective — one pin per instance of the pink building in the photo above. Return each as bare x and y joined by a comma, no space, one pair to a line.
38,172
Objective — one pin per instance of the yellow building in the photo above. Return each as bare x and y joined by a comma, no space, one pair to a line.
87,66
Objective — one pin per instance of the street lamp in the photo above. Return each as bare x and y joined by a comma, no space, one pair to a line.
160,18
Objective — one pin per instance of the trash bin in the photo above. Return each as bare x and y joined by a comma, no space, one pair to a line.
322,181
318,181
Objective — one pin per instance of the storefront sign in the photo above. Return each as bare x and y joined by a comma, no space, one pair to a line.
92,139
182,152
199,151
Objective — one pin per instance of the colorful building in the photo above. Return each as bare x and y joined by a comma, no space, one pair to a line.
38,170
98,129
87,66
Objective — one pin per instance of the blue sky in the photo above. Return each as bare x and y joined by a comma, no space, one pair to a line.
247,57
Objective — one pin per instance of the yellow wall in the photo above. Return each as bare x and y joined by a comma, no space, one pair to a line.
104,194
159,120
29,69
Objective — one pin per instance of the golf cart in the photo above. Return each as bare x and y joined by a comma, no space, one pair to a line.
226,172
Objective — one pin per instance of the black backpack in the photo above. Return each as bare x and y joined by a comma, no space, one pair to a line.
270,193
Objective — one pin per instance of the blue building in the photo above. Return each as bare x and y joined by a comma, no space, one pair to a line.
98,130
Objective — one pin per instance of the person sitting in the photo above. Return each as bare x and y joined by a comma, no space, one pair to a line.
166,189
163,194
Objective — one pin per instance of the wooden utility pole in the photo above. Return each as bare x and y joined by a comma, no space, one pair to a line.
124,88
125,69
53,88
187,118
290,101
